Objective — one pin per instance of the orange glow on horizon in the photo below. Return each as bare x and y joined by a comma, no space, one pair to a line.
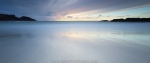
83,16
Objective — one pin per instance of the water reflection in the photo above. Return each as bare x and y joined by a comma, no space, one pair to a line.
10,35
17,36
106,43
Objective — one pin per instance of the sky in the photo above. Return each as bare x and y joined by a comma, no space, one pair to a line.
76,10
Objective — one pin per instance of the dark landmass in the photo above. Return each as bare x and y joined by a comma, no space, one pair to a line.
6,17
132,20
104,21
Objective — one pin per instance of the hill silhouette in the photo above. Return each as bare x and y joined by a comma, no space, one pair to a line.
7,17
132,20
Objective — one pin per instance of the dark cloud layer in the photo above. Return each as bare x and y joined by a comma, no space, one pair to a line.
45,8
106,5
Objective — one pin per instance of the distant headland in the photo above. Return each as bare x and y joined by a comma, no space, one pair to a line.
132,20
7,17
128,20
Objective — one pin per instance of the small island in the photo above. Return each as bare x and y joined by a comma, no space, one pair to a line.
7,17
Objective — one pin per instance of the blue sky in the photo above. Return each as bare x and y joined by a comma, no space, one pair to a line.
62,10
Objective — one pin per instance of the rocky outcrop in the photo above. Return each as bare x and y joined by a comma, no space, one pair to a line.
25,18
6,17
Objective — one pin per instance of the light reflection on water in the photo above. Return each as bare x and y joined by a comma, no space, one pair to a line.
46,42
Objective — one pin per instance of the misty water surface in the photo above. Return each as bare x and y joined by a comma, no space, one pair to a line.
53,42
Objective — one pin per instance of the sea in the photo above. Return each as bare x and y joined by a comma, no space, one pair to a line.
74,42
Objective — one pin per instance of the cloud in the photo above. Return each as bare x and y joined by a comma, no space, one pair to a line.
99,16
104,5
69,17
51,8
147,13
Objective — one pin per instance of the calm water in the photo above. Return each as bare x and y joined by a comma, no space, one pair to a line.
74,42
